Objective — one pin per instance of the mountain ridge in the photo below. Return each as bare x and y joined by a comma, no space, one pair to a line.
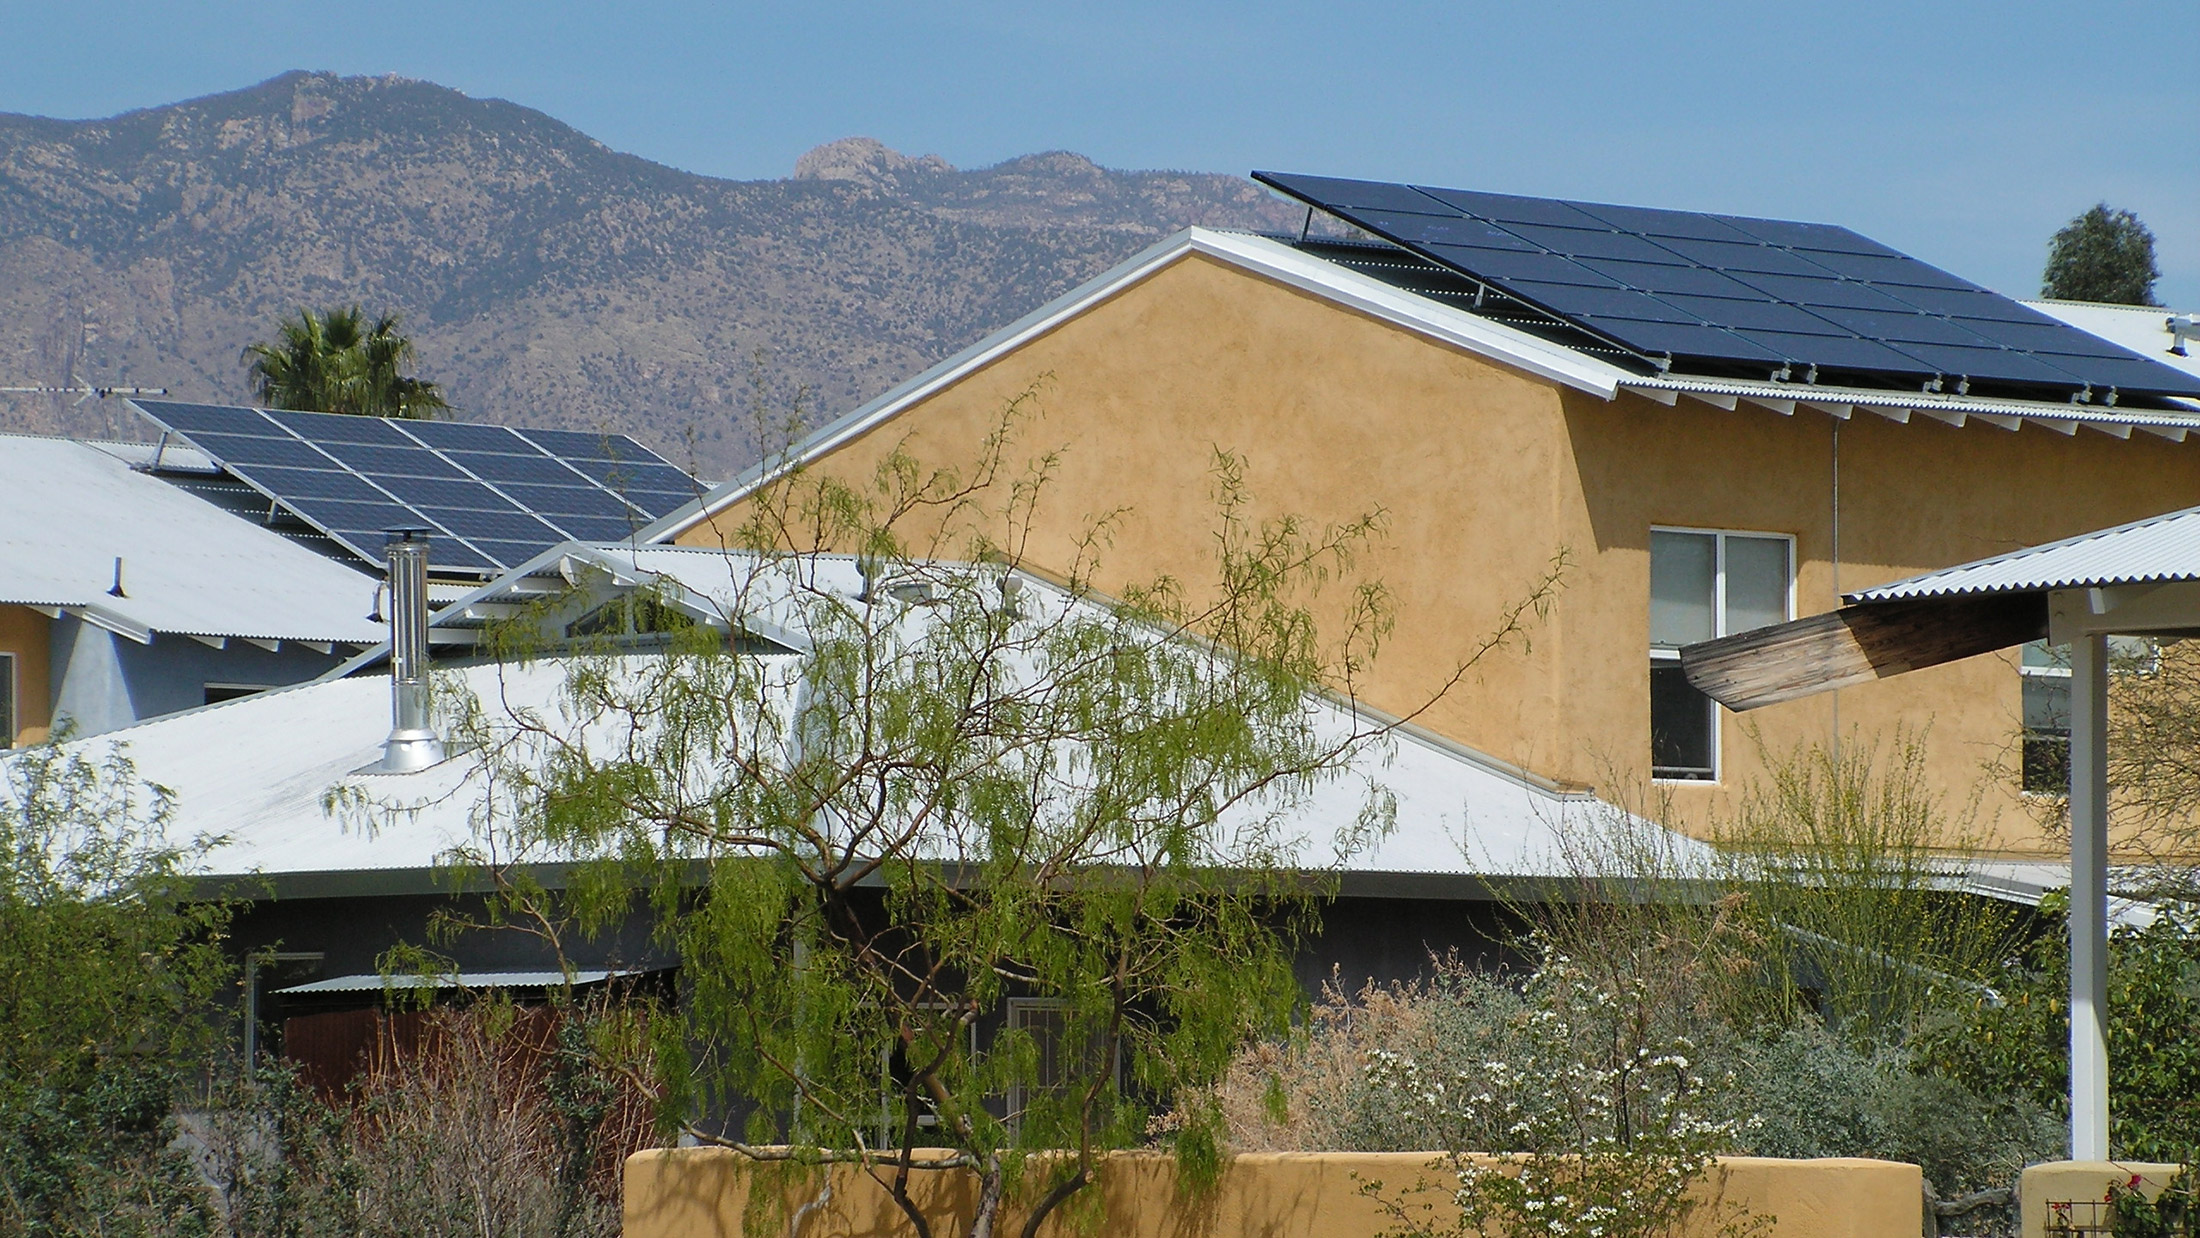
547,278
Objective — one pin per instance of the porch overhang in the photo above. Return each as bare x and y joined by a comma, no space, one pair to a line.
2141,579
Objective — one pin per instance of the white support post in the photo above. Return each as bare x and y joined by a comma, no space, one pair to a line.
2089,897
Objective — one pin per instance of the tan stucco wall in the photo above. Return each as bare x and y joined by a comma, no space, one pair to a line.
702,1193
2079,1183
27,634
1486,474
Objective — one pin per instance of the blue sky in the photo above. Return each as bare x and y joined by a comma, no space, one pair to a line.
1962,132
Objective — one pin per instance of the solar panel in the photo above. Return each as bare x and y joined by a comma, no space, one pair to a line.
461,436
1698,293
493,497
555,501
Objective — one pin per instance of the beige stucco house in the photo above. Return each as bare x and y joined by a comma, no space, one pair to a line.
1351,377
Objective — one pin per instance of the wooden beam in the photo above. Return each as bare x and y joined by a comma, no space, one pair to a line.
1858,644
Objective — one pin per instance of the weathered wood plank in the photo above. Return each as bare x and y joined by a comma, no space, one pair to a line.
1858,644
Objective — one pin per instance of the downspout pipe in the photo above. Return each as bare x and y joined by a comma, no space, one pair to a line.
413,743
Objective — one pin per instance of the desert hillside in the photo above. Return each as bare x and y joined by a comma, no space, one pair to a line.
548,279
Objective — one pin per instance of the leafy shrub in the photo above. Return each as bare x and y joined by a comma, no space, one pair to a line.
2018,1042
1805,1092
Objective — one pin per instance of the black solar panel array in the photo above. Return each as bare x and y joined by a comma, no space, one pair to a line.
1723,293
494,497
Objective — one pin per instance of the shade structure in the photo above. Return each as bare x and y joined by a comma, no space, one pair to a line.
2141,578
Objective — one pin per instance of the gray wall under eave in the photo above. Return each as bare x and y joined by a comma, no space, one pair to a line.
103,682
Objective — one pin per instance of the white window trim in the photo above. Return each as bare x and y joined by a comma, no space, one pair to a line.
2061,674
1663,653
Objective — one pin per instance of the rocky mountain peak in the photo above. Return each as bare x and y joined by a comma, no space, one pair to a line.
866,161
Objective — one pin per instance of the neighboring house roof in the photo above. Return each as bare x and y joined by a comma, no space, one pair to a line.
2157,549
1405,291
73,515
259,770
2144,329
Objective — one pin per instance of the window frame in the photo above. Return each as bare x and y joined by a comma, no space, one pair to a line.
12,726
1672,654
1018,1097
2127,655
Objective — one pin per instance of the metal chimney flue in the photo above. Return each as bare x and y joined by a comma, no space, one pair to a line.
413,744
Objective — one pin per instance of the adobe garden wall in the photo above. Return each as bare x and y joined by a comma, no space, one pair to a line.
703,1193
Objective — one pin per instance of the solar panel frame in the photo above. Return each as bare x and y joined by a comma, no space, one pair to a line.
1510,265
585,444
469,436
512,554
352,478
616,474
540,470
338,428
1594,243
599,528
1656,222
188,419
548,501
498,526
327,483
465,493
232,449
1815,295
660,503
344,514
1659,279
393,461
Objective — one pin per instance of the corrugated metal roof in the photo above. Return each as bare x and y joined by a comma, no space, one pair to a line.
258,771
375,982
70,510
2172,423
2155,550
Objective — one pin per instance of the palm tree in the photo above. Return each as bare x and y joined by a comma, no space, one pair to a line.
333,362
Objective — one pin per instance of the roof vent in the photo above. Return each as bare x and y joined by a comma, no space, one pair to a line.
413,744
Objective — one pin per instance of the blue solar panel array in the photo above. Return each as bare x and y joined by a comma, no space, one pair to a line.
491,497
1726,293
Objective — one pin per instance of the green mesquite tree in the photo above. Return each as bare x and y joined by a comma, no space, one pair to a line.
2102,255
981,867
337,362
109,973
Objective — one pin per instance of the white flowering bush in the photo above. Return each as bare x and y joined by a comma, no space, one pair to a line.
1589,1119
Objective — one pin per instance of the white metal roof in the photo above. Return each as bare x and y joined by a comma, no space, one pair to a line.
2158,549
375,982
1900,406
2144,329
71,511
259,770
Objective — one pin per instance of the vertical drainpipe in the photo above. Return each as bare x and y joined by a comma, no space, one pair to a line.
412,744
